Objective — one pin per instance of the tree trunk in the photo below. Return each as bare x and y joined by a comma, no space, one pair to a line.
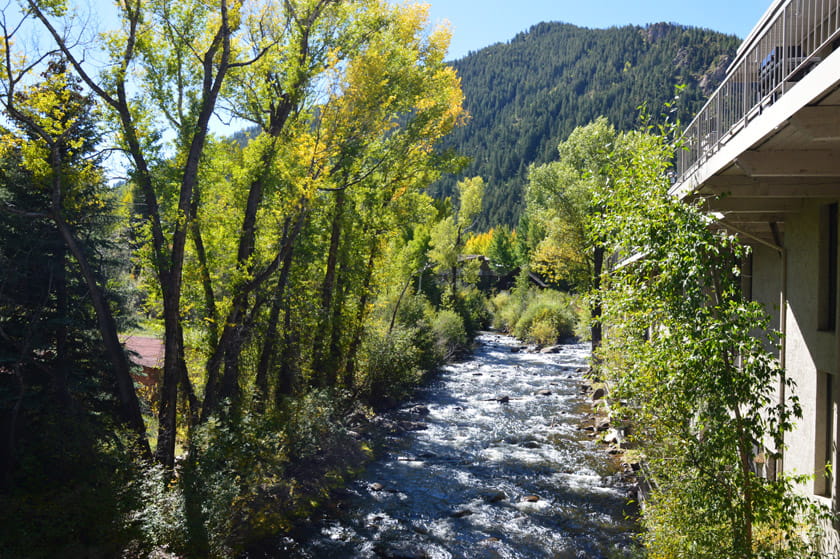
328,377
336,324
210,311
129,404
61,338
745,531
286,373
595,308
350,368
397,304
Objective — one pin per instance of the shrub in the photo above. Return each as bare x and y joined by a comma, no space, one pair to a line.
390,366
250,477
472,306
448,328
548,317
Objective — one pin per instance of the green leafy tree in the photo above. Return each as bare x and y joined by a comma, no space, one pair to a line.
688,357
565,200
447,235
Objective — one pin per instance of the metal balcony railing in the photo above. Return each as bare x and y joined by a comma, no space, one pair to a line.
792,38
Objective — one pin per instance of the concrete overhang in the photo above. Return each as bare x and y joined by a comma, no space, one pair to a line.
788,153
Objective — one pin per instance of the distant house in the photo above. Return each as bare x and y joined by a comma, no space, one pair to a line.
147,353
507,281
492,278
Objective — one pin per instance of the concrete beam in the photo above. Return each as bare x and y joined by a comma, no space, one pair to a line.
750,187
753,228
811,163
753,218
764,237
820,123
754,205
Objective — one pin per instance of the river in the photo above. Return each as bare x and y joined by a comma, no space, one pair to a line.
499,469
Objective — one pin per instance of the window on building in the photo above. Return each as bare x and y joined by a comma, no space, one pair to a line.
824,450
827,288
747,276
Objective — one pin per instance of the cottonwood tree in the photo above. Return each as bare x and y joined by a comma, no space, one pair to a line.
448,234
564,202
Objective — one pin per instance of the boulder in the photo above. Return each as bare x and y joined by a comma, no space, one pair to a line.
530,498
413,426
551,349
613,436
602,424
598,393
461,513
543,392
503,399
419,410
399,551
493,496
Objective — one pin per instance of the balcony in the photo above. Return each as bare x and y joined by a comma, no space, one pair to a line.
769,136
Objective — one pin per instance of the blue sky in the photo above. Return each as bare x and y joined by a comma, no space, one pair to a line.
478,23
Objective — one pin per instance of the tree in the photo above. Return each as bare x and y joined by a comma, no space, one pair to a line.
54,141
447,235
564,200
688,357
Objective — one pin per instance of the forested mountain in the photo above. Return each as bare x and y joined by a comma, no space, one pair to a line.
527,95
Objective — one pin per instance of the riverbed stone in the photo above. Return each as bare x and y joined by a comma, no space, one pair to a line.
502,399
602,424
461,513
551,349
598,393
612,436
543,392
493,496
530,498
399,551
376,486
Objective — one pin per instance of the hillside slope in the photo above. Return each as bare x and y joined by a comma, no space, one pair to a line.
527,95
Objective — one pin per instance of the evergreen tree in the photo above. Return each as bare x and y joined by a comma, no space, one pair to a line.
527,95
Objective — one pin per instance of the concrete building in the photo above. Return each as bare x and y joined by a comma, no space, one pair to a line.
764,154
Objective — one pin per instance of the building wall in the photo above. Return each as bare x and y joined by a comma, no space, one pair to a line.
810,353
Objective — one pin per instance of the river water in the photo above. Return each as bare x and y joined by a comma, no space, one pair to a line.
485,478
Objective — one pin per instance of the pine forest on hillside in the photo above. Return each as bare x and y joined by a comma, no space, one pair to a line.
525,96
